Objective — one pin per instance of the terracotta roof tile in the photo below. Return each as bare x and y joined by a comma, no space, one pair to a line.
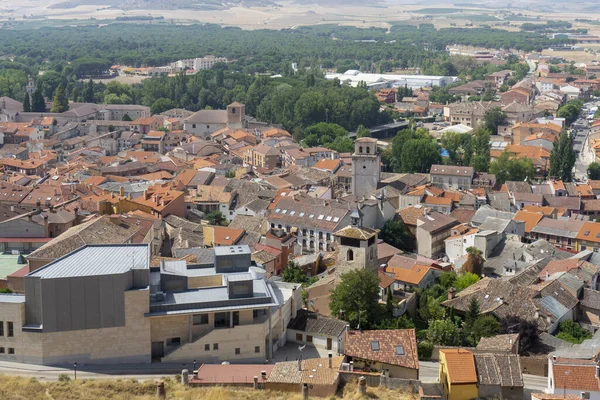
461,365
529,218
394,347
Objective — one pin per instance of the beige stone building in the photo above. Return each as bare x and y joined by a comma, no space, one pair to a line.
106,304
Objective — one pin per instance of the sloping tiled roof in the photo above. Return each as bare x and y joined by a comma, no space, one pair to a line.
499,369
461,365
575,375
310,322
394,347
530,219
498,343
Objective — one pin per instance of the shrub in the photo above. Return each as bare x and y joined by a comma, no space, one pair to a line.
64,378
424,349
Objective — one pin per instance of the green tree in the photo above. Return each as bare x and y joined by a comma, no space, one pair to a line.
443,332
418,155
88,94
397,234
593,171
474,263
398,143
322,133
38,104
493,118
126,117
293,273
363,131
459,147
355,298
465,280
507,167
26,103
570,111
473,311
572,332
161,105
220,78
481,150
562,158
482,326
216,218
61,102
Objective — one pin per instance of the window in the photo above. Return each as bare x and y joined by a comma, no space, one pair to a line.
11,350
308,339
200,319
1,350
194,126
257,349
174,341
237,351
1,328
375,345
399,350
368,150
233,110
215,346
360,149
299,337
222,320
11,332
206,347
350,255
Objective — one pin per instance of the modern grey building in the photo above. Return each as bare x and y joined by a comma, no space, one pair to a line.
106,304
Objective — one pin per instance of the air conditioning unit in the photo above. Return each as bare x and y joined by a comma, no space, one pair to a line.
585,395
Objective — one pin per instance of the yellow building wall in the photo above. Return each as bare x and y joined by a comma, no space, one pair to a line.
455,391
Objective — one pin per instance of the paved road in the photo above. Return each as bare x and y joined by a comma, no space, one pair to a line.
139,372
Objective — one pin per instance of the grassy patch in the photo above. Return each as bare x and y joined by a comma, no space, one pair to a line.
19,388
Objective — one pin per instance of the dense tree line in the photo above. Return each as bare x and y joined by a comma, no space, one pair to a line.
259,50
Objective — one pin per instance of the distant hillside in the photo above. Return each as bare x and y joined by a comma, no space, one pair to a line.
203,5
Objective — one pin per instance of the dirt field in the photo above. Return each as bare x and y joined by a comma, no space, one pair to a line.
292,14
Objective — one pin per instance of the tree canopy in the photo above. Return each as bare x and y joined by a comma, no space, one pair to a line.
508,167
355,298
562,158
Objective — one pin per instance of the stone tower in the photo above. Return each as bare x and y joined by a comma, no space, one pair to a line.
236,114
30,88
356,245
366,167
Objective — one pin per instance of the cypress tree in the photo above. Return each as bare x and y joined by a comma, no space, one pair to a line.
26,103
61,102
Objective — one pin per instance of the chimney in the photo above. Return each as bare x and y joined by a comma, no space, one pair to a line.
451,293
351,366
12,208
300,364
330,360
46,225
122,191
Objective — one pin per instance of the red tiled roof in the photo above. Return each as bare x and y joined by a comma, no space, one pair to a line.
384,346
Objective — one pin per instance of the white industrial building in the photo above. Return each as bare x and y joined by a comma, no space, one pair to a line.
382,81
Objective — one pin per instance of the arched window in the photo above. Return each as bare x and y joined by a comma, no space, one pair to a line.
360,149
233,110
350,255
368,150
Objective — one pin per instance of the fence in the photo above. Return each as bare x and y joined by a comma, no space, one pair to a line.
376,379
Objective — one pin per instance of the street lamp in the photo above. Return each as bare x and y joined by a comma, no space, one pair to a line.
75,369
194,369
